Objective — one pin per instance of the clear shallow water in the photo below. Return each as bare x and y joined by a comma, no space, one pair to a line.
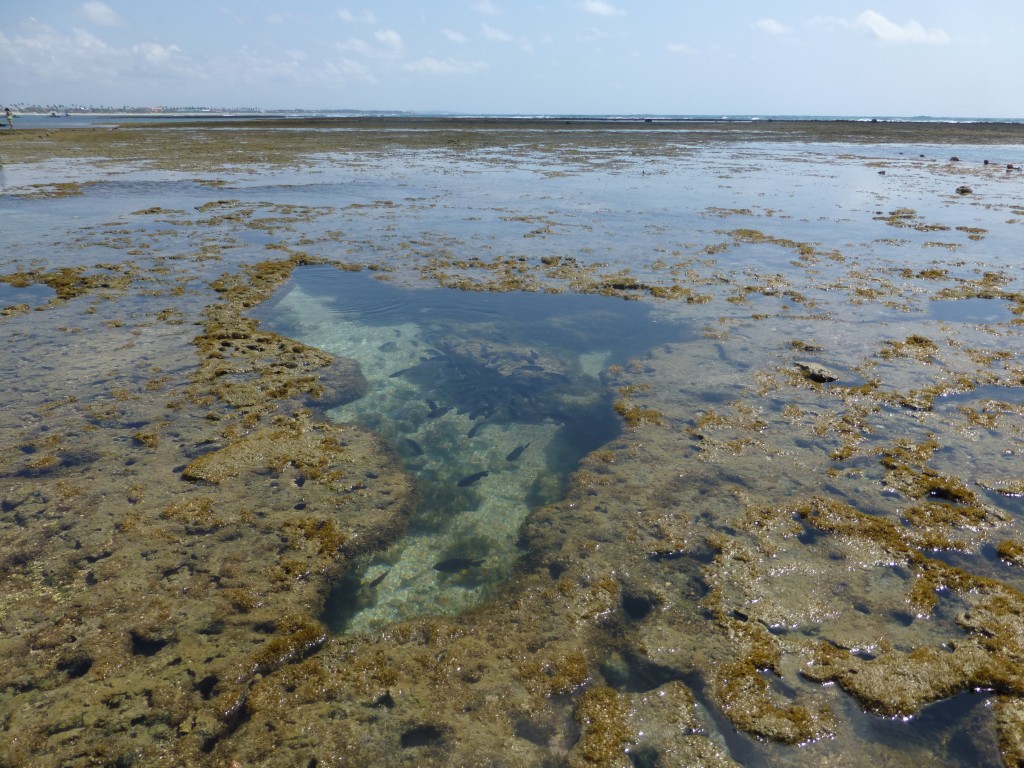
32,294
490,399
970,311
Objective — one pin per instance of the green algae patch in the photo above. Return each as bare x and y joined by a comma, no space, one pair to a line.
196,514
245,367
173,593
71,282
915,346
310,451
248,368
632,414
1011,551
907,218
295,638
747,700
601,716
54,190
900,683
1012,487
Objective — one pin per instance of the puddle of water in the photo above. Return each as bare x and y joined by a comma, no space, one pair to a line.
952,722
489,399
983,394
970,311
32,295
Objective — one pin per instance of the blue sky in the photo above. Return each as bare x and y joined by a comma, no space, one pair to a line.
869,57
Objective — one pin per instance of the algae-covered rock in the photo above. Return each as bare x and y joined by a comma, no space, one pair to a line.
897,684
311,450
1011,551
601,715
667,728
749,702
340,382
1009,716
815,372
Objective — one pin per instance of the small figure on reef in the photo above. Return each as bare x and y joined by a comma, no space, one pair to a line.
10,117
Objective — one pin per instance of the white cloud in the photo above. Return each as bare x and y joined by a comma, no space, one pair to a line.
245,68
363,17
492,33
88,41
771,27
346,69
486,6
82,57
431,66
681,48
154,53
386,44
455,37
881,28
356,45
390,38
79,64
102,15
602,8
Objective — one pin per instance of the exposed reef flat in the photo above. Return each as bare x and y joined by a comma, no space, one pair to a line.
805,542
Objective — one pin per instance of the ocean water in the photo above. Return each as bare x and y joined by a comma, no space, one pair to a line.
609,365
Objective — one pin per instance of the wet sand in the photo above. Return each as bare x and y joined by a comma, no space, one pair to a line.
803,549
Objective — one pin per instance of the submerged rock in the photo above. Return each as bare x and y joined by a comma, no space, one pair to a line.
340,382
815,371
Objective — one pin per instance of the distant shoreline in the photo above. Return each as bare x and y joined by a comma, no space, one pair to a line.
429,129
285,114
374,131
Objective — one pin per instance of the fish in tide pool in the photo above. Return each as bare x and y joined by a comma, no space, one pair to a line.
412,446
483,410
470,479
436,410
517,452
457,564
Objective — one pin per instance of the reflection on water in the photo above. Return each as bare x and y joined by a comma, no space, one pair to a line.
970,311
489,399
33,294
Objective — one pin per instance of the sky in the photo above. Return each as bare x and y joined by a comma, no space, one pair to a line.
696,57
